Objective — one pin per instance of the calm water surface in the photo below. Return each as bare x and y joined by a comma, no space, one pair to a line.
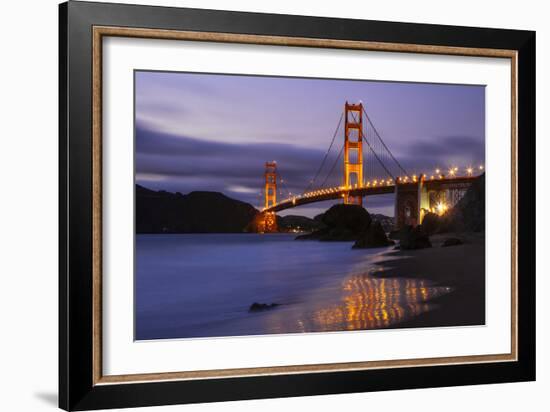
202,286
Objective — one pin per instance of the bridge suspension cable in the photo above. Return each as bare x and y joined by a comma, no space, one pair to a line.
336,161
312,181
373,151
369,121
283,185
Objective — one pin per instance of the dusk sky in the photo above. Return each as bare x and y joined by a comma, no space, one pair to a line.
215,132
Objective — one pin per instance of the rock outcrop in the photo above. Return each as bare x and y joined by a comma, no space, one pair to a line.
431,223
341,223
374,236
452,241
258,307
468,215
349,223
414,238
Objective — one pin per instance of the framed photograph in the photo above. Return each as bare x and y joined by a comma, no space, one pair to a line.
257,205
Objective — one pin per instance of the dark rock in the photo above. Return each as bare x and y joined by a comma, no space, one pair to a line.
257,307
468,215
196,212
339,234
394,234
414,238
398,234
431,223
374,236
354,218
452,241
341,223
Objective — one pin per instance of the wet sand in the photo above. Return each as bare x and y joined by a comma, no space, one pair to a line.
461,267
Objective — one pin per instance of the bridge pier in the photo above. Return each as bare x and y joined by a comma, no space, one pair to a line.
407,203
267,223
415,198
412,201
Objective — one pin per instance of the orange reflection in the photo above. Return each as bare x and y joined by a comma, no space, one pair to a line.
371,303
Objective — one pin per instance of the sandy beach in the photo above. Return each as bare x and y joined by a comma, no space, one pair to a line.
460,267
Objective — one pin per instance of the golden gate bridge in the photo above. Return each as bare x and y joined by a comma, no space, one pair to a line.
375,173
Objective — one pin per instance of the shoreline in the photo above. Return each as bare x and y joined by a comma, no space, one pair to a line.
461,267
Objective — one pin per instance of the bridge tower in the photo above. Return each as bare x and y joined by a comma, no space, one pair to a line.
270,184
269,221
353,151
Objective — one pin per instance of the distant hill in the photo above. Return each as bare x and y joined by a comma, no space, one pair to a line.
293,223
386,222
196,212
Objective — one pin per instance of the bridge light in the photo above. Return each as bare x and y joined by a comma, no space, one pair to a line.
437,171
432,177
441,208
480,167
469,171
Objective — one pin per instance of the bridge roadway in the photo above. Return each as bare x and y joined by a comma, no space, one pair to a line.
333,193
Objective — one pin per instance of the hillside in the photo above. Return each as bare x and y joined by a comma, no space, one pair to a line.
293,223
196,212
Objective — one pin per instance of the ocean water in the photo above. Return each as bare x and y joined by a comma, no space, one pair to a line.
202,285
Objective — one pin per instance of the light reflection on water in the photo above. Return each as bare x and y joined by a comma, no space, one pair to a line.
362,302
371,303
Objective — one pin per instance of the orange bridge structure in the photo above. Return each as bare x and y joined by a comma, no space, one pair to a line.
377,172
